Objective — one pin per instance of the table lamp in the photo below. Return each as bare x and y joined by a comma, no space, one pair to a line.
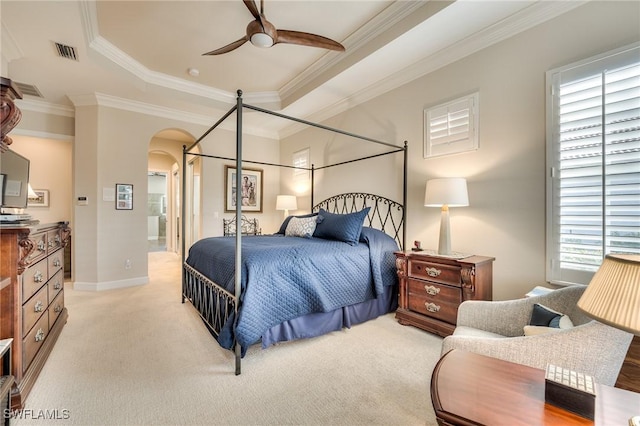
445,193
286,203
613,296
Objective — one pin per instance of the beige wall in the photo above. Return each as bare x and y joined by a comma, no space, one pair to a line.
506,175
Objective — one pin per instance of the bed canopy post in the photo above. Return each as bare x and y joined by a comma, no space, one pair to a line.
404,196
238,277
312,185
182,212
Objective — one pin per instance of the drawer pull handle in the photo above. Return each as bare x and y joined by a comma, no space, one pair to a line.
433,272
57,309
57,285
39,335
431,290
432,307
39,306
56,263
37,277
41,245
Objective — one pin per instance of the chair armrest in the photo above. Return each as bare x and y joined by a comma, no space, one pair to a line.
506,318
593,348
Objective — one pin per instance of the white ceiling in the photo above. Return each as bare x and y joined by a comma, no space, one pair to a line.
135,54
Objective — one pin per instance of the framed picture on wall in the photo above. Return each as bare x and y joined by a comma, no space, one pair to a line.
124,196
250,186
40,200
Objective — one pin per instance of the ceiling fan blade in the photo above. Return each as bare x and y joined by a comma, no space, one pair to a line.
307,39
251,5
229,47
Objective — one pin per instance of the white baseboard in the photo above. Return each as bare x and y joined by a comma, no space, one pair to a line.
110,285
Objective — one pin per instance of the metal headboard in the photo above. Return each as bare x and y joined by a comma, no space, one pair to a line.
385,214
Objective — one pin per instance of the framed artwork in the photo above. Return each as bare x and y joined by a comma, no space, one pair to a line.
41,199
250,185
124,196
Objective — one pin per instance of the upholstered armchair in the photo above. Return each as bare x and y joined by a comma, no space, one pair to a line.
496,329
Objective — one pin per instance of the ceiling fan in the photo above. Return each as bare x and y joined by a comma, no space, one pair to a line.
263,33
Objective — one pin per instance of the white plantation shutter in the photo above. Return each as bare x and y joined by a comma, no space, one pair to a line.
594,156
451,127
301,159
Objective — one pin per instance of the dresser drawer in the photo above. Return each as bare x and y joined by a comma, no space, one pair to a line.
55,284
55,262
40,243
438,272
33,278
34,340
33,309
55,308
439,309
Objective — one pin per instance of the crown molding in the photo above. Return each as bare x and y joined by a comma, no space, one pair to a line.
42,135
381,23
104,48
45,107
525,19
103,100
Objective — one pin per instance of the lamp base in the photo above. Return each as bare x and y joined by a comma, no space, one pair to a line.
444,242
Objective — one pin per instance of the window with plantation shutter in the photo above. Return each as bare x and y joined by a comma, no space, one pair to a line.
300,161
451,127
593,189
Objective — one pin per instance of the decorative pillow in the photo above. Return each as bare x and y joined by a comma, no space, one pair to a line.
341,227
547,317
283,227
301,227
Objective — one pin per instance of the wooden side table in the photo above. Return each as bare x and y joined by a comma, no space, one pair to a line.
472,389
432,288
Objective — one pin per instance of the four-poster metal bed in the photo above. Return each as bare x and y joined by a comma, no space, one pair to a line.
217,304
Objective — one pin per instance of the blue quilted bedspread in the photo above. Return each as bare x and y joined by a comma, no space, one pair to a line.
287,277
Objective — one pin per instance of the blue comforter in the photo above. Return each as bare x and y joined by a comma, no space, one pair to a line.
287,277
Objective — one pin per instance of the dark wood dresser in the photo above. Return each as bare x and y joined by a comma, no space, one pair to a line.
432,288
32,310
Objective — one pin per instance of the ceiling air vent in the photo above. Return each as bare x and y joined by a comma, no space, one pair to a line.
28,89
66,51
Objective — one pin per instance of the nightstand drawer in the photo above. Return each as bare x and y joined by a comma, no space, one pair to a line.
55,284
438,272
56,262
440,309
56,308
438,293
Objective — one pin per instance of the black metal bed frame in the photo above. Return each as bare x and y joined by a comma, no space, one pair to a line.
214,303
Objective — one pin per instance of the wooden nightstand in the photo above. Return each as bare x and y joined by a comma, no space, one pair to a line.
432,288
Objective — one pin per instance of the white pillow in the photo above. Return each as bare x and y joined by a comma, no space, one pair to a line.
301,227
534,330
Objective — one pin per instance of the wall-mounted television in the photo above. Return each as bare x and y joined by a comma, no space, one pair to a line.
14,188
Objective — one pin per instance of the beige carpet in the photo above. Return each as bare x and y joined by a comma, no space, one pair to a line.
140,356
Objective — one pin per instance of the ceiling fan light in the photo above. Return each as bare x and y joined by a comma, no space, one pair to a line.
261,40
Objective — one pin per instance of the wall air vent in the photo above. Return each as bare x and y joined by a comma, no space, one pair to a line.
65,51
28,89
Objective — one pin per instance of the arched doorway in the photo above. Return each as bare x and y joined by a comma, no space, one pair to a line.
164,189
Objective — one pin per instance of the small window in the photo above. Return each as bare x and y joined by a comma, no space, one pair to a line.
452,127
301,163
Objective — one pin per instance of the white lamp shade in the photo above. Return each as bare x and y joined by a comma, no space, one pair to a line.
613,295
451,192
286,202
30,192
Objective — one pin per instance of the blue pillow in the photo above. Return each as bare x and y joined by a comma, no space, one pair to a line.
283,227
341,227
